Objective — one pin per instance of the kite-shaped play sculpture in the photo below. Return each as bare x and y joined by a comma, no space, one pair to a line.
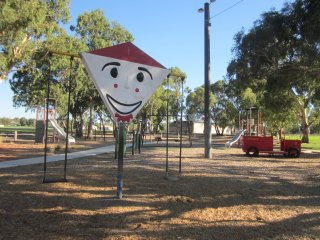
125,77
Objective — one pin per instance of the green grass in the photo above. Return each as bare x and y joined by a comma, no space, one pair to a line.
314,141
11,129
19,129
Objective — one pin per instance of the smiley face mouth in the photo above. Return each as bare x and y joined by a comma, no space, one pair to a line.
125,107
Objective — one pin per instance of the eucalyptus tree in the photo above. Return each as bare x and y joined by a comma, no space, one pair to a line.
155,109
29,85
29,81
95,30
175,95
195,104
223,111
279,60
168,95
24,26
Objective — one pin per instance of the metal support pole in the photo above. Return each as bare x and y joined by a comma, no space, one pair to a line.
167,139
207,118
139,142
116,146
181,112
133,141
120,160
47,123
68,120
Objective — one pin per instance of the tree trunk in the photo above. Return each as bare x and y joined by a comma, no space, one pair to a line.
305,126
90,123
79,127
189,132
222,131
280,134
102,123
305,133
217,130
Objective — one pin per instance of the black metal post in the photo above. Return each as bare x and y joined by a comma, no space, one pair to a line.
47,123
116,146
133,142
207,118
181,112
140,137
120,160
167,139
68,120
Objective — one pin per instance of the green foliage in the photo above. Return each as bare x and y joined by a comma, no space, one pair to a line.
17,122
5,121
169,91
279,120
195,103
96,31
38,66
223,111
279,60
23,27
248,99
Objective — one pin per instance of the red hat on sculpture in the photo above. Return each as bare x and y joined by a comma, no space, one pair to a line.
127,52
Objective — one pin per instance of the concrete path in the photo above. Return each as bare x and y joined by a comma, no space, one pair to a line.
55,158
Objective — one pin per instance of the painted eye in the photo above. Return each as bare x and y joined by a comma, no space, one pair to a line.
114,72
140,76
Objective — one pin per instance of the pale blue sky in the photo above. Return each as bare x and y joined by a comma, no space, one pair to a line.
171,31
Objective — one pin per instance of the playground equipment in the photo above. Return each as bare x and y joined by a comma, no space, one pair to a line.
250,123
52,115
61,132
253,145
46,114
236,138
122,104
251,119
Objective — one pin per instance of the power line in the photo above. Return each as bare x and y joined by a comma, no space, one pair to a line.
223,11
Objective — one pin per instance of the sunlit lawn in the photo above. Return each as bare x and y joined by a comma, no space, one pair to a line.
314,141
11,129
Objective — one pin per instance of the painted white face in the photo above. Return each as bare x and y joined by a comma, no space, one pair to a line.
124,86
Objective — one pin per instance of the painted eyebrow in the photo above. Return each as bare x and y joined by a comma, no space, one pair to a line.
146,70
110,63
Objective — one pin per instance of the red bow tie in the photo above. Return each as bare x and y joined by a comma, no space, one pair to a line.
125,118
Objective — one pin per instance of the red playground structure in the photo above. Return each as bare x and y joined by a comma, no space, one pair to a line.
253,145
253,141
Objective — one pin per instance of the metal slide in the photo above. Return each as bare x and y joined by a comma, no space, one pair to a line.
61,132
235,138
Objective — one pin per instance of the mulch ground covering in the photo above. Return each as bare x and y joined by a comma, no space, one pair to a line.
231,196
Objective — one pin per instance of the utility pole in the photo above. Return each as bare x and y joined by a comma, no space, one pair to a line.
207,117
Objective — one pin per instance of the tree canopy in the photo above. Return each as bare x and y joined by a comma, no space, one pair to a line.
278,58
23,27
275,65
